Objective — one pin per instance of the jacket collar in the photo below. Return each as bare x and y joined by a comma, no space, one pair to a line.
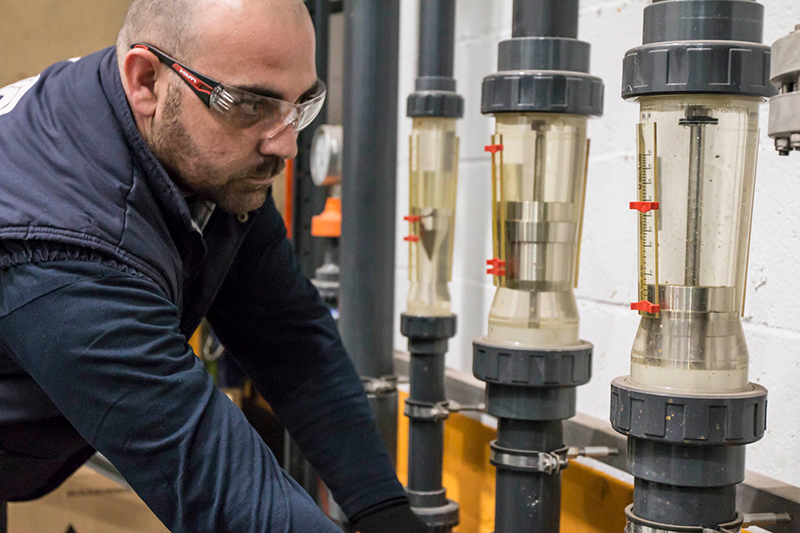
169,195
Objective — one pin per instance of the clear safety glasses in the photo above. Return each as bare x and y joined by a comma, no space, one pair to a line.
243,108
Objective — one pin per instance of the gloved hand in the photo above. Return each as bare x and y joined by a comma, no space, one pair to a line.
397,518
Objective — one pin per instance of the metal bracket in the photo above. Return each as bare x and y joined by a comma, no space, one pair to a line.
591,451
379,386
455,407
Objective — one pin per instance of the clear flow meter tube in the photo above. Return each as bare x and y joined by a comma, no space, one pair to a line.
433,185
697,162
539,177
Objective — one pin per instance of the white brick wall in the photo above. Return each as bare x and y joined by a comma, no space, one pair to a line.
609,256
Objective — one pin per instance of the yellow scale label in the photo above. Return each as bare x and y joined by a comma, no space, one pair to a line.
647,169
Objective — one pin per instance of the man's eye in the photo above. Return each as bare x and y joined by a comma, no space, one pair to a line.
251,107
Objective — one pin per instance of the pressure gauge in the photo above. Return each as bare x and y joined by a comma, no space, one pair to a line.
326,155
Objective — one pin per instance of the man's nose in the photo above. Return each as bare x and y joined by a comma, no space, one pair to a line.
283,145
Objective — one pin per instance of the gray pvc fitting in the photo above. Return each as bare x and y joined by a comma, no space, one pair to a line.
700,46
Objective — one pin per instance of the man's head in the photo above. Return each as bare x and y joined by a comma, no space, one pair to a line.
263,46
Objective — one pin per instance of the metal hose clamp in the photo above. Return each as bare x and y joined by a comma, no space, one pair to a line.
640,525
431,412
532,461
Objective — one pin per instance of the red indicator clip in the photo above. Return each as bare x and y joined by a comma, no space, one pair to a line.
645,307
412,218
493,148
411,238
644,207
498,267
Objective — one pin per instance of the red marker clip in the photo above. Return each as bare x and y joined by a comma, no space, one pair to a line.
644,207
412,218
493,148
498,267
411,238
645,307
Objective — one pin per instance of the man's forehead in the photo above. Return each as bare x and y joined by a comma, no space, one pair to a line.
266,54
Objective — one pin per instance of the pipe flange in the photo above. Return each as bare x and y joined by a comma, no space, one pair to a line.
428,327
551,368
550,463
439,519
435,104
640,525
715,419
541,91
784,109
427,412
708,67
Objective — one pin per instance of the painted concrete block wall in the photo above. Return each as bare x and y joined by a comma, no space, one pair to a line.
609,250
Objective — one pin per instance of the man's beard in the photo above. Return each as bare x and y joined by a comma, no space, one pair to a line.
188,167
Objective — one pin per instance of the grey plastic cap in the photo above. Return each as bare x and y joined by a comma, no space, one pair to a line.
428,327
722,67
435,96
701,420
542,91
543,74
568,367
700,46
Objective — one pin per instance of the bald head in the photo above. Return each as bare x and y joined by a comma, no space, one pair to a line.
174,25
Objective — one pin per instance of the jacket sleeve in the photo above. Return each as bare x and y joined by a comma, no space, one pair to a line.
105,347
275,324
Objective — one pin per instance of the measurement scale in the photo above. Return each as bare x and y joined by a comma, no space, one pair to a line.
647,169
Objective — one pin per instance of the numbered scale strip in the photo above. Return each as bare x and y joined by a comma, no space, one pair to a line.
647,206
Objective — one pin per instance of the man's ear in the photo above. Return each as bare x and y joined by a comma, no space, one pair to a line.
140,71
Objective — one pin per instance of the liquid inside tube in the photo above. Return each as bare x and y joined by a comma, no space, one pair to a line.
539,178
704,159
433,184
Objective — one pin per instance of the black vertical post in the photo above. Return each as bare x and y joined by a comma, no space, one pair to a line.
309,200
369,177
3,517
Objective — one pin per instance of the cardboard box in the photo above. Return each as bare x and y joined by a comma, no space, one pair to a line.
87,502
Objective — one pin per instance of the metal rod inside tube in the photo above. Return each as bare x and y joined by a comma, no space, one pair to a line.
695,208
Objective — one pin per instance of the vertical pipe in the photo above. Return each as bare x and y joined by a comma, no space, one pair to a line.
526,501
309,200
545,18
3,517
425,437
437,31
369,183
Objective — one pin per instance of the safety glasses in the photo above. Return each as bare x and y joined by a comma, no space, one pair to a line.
242,108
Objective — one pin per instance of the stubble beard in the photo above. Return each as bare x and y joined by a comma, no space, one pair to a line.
189,168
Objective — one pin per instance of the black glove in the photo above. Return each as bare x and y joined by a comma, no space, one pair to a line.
396,517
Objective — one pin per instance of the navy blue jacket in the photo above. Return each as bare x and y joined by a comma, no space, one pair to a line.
103,278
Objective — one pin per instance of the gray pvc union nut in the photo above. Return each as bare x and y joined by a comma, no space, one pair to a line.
689,419
544,75
501,365
701,47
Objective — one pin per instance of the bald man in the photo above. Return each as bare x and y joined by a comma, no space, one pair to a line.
135,201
